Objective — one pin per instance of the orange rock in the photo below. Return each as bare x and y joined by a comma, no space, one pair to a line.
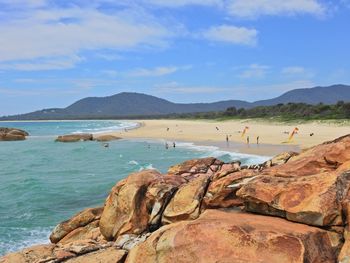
313,199
221,193
186,203
322,158
136,203
12,134
31,254
90,231
105,138
227,236
75,137
109,255
79,220
196,166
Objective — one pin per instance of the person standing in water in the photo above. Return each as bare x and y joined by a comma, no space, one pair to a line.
166,146
174,145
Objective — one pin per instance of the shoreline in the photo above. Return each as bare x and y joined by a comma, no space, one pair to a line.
273,137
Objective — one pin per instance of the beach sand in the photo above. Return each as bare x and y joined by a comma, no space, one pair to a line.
273,136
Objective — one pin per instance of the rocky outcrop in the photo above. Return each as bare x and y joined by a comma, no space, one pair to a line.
12,134
136,203
75,137
79,220
228,236
105,138
293,208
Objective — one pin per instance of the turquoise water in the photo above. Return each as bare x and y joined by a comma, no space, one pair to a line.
43,182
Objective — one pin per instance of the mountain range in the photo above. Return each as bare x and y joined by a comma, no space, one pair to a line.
128,104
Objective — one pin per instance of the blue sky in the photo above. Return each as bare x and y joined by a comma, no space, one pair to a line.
54,52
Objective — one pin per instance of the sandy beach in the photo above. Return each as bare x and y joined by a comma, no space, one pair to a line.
273,137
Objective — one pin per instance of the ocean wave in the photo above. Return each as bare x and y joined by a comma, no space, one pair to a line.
133,162
216,152
16,238
147,167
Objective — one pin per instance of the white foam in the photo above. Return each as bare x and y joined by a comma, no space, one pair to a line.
214,151
147,167
133,162
17,238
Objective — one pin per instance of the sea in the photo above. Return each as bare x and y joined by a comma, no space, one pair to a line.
43,182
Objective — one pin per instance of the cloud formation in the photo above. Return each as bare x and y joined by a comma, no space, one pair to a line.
231,34
256,8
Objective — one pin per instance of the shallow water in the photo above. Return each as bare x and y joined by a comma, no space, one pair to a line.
43,182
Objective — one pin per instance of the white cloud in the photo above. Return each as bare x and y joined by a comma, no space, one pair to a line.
55,33
175,88
254,71
293,70
181,3
157,72
256,8
231,34
43,64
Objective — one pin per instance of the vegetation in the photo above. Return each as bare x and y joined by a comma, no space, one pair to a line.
290,111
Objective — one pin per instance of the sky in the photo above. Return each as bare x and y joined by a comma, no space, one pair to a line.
54,52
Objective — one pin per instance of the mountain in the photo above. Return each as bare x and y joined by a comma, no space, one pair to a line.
128,104
326,95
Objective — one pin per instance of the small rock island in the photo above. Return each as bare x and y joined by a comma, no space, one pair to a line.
12,134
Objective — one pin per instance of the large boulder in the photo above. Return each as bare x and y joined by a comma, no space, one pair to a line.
75,137
136,203
79,220
109,255
325,157
12,134
186,203
312,199
221,192
228,236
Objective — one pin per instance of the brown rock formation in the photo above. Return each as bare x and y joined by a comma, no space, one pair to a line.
226,236
75,137
170,217
136,203
105,138
79,220
12,134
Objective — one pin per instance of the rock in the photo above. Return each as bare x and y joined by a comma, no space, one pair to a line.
186,203
221,192
128,241
90,231
12,134
31,254
279,159
75,137
109,255
344,255
313,199
79,220
136,203
105,138
196,166
227,236
325,157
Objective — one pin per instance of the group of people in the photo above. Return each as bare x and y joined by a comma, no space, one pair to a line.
247,139
167,145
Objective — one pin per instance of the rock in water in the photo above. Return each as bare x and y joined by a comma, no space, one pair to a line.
12,134
105,138
75,137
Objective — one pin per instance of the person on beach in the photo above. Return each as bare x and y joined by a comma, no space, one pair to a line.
217,128
247,139
167,129
257,139
226,138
